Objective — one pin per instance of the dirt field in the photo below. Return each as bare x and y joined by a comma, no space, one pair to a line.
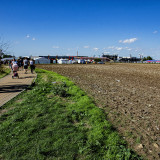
129,93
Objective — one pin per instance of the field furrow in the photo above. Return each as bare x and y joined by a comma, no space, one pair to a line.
129,93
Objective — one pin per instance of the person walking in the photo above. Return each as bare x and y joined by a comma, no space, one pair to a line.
31,62
10,65
14,62
19,62
25,64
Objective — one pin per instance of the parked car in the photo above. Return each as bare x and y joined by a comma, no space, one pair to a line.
100,62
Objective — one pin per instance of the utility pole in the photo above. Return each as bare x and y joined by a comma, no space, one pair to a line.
141,57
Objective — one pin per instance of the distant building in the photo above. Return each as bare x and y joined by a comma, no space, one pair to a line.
129,59
151,61
53,58
61,57
113,57
104,59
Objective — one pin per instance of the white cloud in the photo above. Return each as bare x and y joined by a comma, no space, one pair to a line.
27,36
155,32
114,48
118,48
86,47
95,49
33,39
106,52
132,40
111,47
55,47
128,49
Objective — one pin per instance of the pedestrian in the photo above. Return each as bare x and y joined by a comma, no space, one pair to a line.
32,66
15,69
10,64
19,63
14,62
25,64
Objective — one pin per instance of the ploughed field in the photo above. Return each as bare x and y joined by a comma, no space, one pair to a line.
129,93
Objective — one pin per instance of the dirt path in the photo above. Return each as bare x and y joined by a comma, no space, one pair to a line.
9,88
129,93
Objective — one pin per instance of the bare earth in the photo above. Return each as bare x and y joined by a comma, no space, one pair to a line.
129,93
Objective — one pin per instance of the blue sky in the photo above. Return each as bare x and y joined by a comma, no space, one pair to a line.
93,27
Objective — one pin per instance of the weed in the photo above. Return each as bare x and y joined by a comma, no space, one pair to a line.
4,71
138,139
60,89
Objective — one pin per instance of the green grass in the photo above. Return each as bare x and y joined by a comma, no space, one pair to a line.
57,120
4,71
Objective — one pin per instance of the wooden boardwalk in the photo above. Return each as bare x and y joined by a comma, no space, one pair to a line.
9,88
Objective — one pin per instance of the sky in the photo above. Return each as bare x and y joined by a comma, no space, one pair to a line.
91,27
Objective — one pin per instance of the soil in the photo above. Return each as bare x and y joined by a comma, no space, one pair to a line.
129,94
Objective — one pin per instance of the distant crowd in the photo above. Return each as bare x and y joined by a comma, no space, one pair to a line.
21,64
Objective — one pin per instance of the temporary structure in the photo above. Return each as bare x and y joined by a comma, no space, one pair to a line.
6,59
42,60
63,61
82,61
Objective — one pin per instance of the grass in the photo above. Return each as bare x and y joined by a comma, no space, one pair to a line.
56,120
4,71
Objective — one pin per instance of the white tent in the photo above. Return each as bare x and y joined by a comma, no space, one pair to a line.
62,61
6,59
9,59
82,61
42,60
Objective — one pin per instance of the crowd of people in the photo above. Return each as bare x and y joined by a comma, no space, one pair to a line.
21,64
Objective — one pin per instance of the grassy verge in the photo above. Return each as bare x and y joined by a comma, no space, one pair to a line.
4,71
57,120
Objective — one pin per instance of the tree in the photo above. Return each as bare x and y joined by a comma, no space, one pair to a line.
7,56
144,59
3,46
97,60
147,58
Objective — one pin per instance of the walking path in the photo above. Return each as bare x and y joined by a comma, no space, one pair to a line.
9,88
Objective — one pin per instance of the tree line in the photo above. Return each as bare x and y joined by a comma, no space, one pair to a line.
147,58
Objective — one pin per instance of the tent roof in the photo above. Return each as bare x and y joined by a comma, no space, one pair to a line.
40,58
